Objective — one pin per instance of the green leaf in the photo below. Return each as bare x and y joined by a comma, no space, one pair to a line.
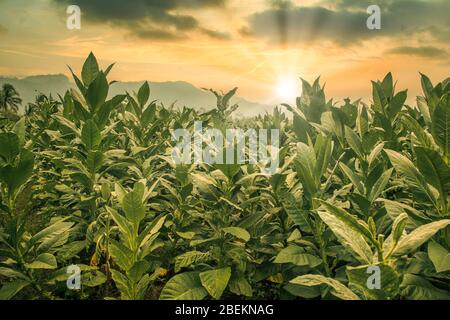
396,104
380,185
143,94
97,92
190,258
90,70
305,163
55,228
419,236
439,256
20,130
94,161
299,216
337,288
351,221
43,261
10,289
90,135
418,288
216,281
409,172
240,286
305,292
352,176
354,142
123,224
93,278
441,124
9,146
399,226
434,169
238,233
133,207
389,282
297,256
348,237
185,286
15,176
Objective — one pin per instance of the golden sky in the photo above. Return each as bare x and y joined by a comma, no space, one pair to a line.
261,46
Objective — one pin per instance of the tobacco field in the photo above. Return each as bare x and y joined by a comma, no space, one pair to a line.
88,183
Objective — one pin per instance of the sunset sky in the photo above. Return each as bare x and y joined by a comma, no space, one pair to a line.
260,46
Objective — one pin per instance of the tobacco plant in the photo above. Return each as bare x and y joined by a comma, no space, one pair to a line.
88,180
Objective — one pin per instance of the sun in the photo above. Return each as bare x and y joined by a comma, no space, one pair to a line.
287,89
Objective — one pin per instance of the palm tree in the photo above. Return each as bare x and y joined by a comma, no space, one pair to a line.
9,98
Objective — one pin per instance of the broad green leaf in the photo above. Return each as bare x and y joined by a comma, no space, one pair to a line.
185,286
418,288
9,146
43,261
399,226
305,292
299,216
354,142
351,239
94,161
323,148
305,163
10,289
297,256
190,258
396,104
419,236
133,207
68,124
121,255
439,256
216,281
20,130
15,176
238,233
389,281
351,221
351,175
120,220
93,278
90,135
240,286
90,70
434,169
337,288
409,172
97,92
441,124
52,229
143,94
380,185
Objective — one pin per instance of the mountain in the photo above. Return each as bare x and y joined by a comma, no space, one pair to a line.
178,92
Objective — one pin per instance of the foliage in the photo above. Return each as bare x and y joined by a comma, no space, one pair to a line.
89,180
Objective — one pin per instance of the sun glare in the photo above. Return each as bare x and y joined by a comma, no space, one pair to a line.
287,89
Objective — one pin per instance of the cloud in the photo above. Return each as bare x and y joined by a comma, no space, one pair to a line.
216,34
344,22
428,52
147,19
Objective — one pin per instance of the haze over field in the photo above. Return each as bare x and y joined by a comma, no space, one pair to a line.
260,46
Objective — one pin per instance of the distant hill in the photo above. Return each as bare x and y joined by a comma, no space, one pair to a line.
182,93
